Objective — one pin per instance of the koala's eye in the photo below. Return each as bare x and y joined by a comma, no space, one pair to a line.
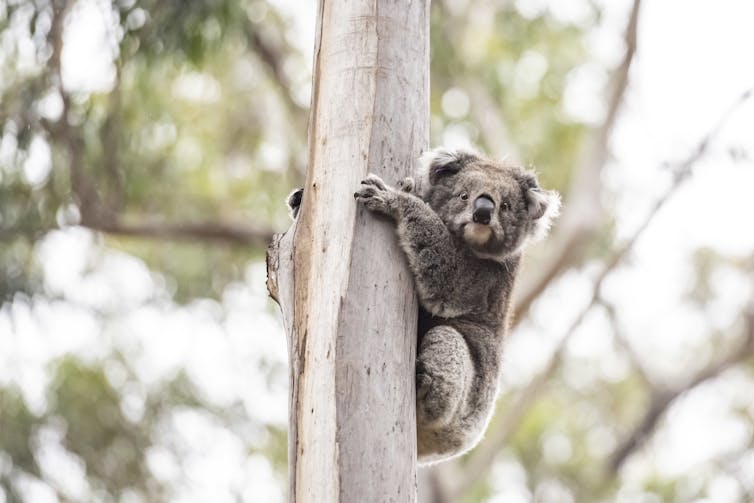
464,196
505,206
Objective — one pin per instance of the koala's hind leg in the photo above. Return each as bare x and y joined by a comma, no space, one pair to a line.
443,376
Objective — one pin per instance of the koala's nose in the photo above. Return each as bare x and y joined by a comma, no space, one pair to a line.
483,208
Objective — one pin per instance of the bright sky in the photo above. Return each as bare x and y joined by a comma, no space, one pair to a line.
694,60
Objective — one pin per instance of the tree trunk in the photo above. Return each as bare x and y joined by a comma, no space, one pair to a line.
343,285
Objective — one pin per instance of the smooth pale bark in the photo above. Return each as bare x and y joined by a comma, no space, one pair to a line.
343,285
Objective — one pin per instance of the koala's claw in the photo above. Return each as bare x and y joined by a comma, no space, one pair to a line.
407,184
374,194
374,180
366,192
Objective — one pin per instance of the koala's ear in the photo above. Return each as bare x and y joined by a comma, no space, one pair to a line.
441,162
537,202
543,207
293,201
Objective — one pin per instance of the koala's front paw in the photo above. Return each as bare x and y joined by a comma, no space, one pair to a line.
407,184
375,195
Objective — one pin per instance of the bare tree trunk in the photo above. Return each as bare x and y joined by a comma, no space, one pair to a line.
346,295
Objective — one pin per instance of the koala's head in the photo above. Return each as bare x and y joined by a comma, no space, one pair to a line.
495,209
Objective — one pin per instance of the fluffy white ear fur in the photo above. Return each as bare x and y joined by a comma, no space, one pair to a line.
438,156
551,201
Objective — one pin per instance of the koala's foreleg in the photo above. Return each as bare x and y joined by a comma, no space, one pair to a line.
426,241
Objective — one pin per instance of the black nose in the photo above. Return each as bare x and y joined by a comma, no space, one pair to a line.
483,208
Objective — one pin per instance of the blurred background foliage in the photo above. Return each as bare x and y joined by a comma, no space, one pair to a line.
170,161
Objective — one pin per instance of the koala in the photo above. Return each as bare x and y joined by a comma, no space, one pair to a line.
463,228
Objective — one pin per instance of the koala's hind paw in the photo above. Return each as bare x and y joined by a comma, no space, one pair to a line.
407,184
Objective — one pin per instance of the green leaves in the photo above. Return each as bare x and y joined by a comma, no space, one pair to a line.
17,426
96,429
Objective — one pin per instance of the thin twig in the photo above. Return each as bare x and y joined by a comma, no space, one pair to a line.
624,343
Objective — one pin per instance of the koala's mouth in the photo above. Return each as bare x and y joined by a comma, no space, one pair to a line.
477,235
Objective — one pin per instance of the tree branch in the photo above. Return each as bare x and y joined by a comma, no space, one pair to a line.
582,215
272,57
662,400
243,235
209,231
84,191
97,215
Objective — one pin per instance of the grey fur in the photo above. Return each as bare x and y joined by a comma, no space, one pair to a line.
464,274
